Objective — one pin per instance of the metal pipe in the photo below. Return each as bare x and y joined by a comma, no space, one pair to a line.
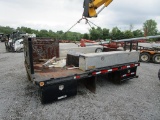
157,36
135,39
125,40
100,10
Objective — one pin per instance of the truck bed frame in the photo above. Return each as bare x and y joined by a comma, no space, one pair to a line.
58,83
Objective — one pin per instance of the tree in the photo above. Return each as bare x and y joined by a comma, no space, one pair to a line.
93,33
27,30
73,36
116,34
52,34
138,33
96,33
6,30
128,34
85,36
106,34
150,27
43,33
59,34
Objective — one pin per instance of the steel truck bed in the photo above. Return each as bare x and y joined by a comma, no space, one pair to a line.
45,74
58,83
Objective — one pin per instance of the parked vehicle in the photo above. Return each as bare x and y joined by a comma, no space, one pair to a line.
9,44
56,83
68,47
15,41
150,52
3,37
18,46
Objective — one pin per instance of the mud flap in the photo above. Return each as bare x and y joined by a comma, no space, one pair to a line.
90,83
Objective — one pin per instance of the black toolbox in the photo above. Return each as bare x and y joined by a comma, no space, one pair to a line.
59,89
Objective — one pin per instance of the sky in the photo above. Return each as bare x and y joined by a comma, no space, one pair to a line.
58,15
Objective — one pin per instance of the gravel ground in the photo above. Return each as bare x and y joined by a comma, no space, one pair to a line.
136,99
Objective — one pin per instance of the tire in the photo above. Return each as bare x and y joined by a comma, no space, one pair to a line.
156,58
144,57
98,50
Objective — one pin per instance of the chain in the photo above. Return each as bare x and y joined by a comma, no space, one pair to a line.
87,22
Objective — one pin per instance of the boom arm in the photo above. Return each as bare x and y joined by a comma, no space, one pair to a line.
90,7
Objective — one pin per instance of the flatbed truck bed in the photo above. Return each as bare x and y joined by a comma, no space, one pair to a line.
58,83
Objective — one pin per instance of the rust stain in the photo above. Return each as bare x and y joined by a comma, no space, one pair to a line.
54,72
45,48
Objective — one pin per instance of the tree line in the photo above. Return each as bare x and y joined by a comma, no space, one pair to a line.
149,28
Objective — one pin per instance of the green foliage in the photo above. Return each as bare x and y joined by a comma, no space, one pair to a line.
26,30
116,34
106,34
128,34
138,33
85,36
74,36
150,27
96,33
6,30
59,35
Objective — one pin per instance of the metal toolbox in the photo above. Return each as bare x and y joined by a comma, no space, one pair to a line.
97,60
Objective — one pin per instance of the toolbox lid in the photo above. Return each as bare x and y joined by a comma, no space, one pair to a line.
105,53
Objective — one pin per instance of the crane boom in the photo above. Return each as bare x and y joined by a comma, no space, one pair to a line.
90,7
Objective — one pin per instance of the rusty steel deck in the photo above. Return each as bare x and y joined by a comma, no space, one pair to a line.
41,73
45,48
